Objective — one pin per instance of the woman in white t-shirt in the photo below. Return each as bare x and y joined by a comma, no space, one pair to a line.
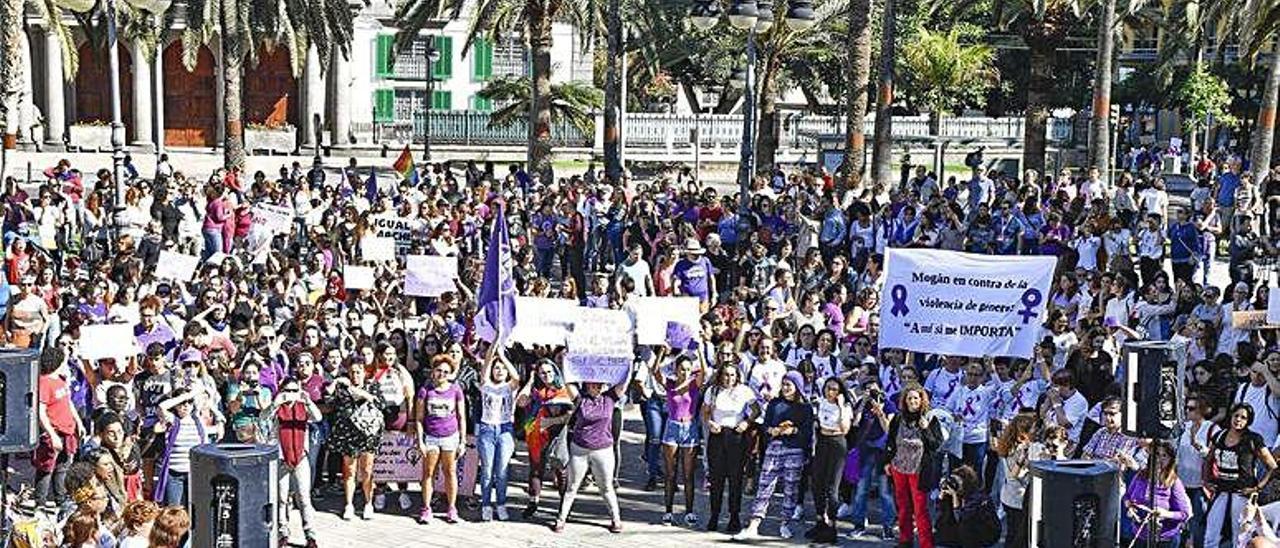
494,438
834,417
728,409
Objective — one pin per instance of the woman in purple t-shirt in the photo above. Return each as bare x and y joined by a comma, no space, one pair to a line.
591,447
680,435
439,414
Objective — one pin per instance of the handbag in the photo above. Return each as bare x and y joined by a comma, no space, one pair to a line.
853,466
558,451
367,419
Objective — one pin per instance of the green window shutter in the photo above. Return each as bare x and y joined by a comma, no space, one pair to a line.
384,105
441,100
481,104
443,69
382,55
482,60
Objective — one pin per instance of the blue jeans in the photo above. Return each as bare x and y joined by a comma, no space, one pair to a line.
654,412
872,472
542,259
212,243
496,446
1195,525
175,490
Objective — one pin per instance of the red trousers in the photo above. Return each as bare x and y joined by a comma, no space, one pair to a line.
913,507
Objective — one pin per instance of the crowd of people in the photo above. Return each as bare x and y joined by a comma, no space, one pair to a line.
784,399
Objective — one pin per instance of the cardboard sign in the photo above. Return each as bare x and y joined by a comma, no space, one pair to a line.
1252,319
654,313
357,277
543,321
429,275
176,266
276,219
600,347
376,249
400,229
398,459
1273,305
108,341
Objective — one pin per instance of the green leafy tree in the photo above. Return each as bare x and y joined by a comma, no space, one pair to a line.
943,74
573,102
1204,95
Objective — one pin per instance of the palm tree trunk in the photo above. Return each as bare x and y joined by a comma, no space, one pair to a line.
882,154
855,140
540,99
768,130
1264,132
1039,88
613,95
1100,125
10,67
232,74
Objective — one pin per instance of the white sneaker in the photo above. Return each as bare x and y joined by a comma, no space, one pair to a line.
798,513
486,513
502,513
785,530
747,533
348,513
844,511
380,501
405,502
367,514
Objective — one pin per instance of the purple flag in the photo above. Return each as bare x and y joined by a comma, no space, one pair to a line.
371,186
497,299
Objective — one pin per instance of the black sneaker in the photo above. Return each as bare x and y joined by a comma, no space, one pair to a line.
529,510
713,525
651,485
734,526
812,533
887,533
857,532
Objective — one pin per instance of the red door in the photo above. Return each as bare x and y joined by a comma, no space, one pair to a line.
93,88
190,100
268,88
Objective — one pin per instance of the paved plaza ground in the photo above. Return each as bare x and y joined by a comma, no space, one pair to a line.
641,514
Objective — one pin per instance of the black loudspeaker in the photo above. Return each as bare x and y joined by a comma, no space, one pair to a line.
234,495
1074,504
1154,394
19,372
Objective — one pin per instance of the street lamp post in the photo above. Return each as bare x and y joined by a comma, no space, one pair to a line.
117,126
433,57
753,17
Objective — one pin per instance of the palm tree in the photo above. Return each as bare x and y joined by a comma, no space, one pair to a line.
859,44
1258,21
572,102
882,154
948,73
242,26
1044,27
489,19
1100,123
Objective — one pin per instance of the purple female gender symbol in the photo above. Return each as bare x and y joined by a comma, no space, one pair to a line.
1030,299
899,294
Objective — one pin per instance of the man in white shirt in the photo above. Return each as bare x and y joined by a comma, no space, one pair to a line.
971,404
1262,392
1065,406
942,382
638,270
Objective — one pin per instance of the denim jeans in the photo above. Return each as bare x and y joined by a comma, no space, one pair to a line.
542,260
1195,525
212,242
654,411
175,491
496,446
873,472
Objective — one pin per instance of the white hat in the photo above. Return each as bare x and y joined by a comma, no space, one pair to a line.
692,245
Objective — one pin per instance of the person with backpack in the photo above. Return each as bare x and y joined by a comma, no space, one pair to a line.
966,516
1262,393
1231,476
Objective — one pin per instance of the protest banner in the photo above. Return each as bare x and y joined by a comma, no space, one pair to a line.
653,313
600,347
275,219
1253,319
543,321
398,459
429,275
357,277
176,266
1273,306
946,302
108,341
377,249
397,228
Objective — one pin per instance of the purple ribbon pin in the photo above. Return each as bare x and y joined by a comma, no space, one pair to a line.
899,294
1030,299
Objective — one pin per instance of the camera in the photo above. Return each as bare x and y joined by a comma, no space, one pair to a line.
876,395
950,483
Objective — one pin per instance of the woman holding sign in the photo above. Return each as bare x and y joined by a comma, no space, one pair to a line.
680,435
440,418
591,447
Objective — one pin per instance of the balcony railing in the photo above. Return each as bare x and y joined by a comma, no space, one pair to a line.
469,128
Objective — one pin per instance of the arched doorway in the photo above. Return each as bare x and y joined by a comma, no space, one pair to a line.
190,99
93,88
269,90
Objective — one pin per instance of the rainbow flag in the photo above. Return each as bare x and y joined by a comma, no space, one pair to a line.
405,167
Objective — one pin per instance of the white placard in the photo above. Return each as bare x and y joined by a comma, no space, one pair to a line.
600,347
1273,305
276,219
653,313
108,341
400,229
357,277
543,321
376,249
946,302
176,266
429,275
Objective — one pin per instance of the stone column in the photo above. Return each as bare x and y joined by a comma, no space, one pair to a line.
312,93
157,78
142,96
340,129
55,113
